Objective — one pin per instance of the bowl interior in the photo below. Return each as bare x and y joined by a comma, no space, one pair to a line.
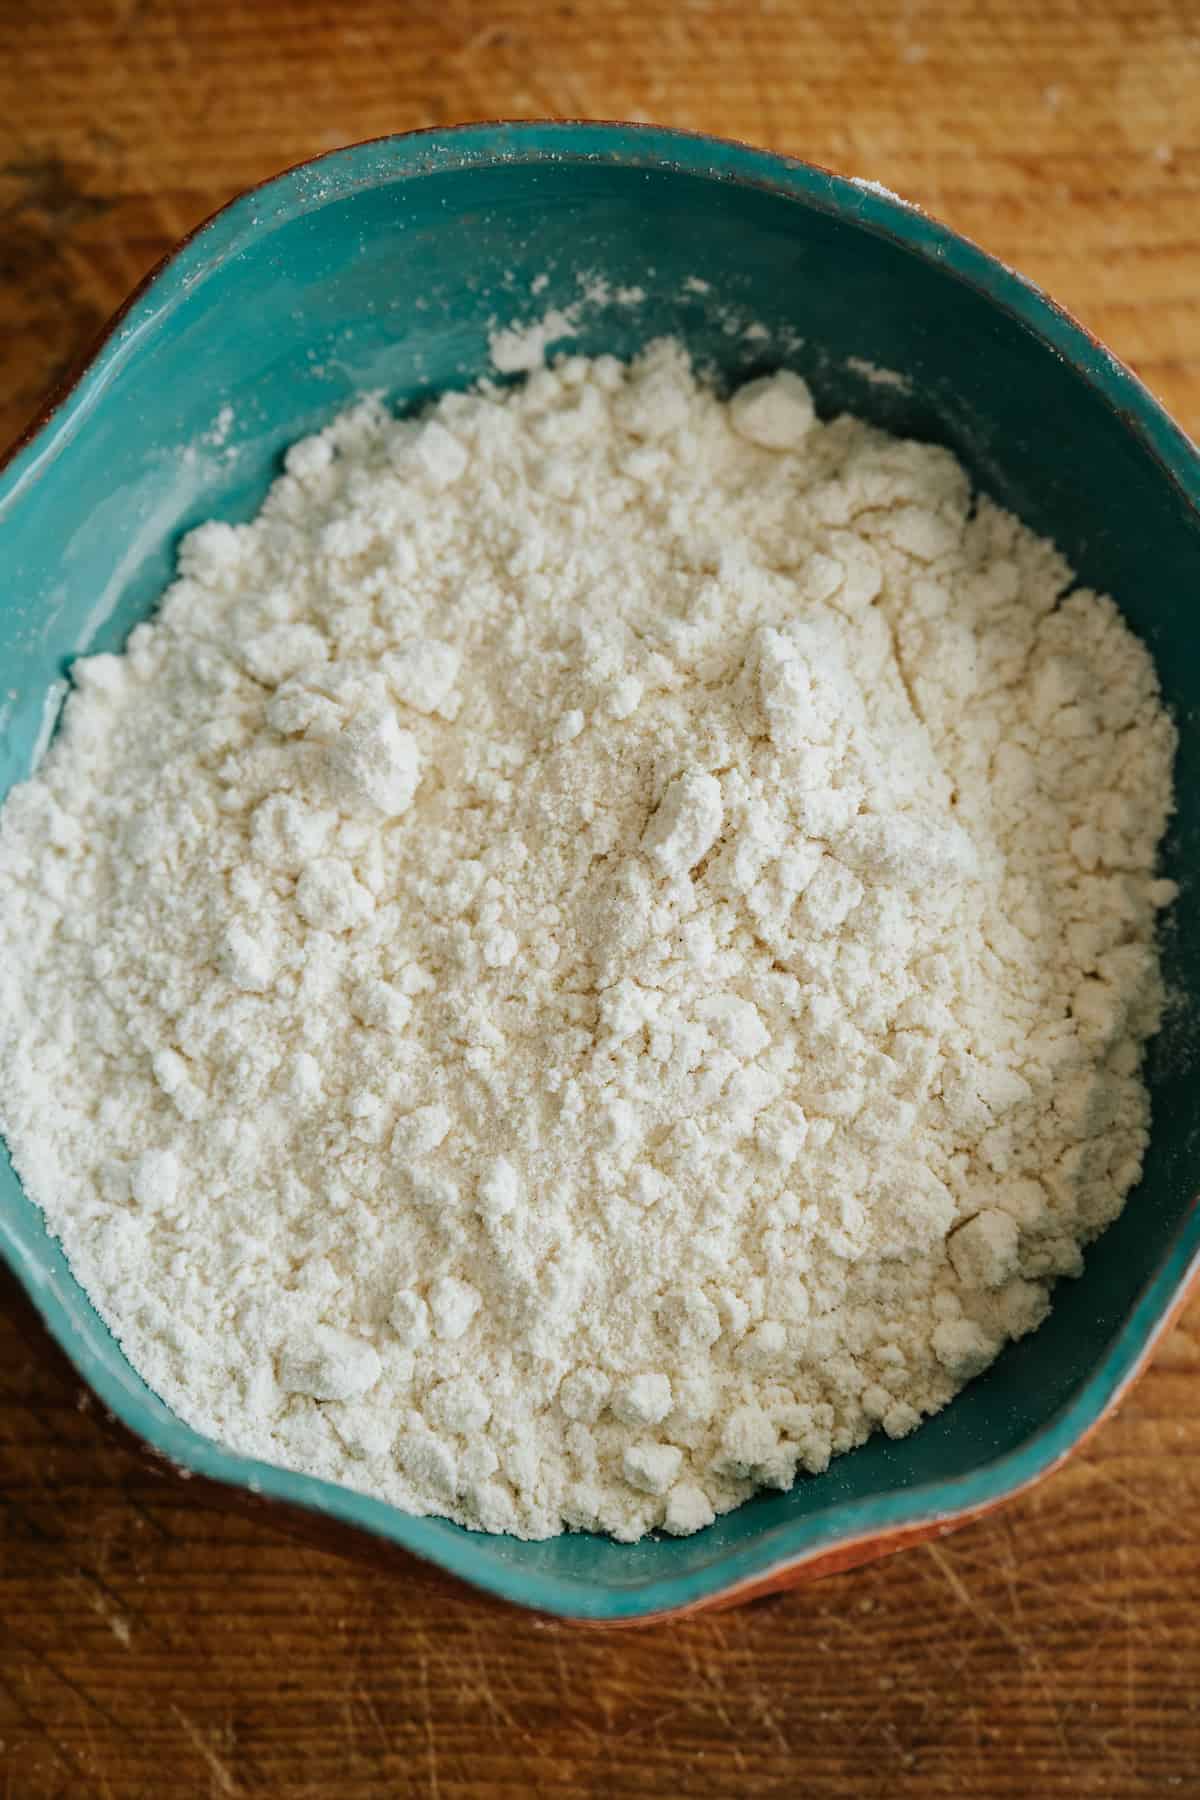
387,267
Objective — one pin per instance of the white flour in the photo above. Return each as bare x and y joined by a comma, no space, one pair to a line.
596,953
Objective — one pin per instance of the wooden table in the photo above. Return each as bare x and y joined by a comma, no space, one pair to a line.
153,1647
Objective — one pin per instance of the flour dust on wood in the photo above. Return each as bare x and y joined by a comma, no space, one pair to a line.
594,955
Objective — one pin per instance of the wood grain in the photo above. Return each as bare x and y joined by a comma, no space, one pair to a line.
151,1646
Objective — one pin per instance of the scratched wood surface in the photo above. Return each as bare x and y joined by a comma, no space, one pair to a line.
151,1646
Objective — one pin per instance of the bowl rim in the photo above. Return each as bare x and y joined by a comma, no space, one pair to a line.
853,1530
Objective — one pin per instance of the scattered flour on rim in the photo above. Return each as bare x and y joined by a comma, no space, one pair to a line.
596,953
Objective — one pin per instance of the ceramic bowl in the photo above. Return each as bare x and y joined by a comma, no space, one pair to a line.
389,265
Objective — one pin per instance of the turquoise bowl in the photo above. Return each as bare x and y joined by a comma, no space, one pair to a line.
387,265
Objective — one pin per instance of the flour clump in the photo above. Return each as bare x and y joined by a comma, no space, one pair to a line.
595,954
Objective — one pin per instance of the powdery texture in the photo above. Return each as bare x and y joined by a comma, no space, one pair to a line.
593,955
